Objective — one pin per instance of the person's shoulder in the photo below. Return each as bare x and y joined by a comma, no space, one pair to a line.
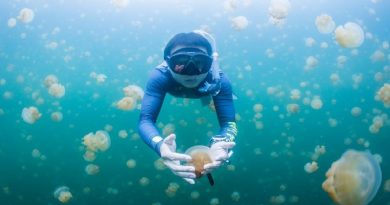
159,79
159,75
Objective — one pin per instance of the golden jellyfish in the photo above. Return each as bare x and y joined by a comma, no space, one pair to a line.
131,163
311,63
11,22
56,116
325,23
201,155
316,103
92,169
97,142
356,111
89,156
350,35
295,94
126,103
278,11
239,23
57,90
26,15
257,108
311,167
292,108
31,115
354,179
172,189
123,134
62,194
144,181
309,42
383,95
133,91
50,80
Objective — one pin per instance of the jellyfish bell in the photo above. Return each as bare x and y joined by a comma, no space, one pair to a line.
200,155
349,35
354,179
31,114
62,194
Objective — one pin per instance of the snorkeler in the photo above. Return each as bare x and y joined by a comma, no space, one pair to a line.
190,69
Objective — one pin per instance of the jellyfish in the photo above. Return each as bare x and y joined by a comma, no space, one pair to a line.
257,108
133,91
123,134
101,78
144,181
350,35
11,22
278,11
356,111
31,115
292,108
200,155
62,194
50,80
92,169
316,103
295,94
131,163
311,167
26,15
172,189
56,116
383,95
309,42
325,23
126,103
311,63
57,90
103,139
99,142
354,179
239,23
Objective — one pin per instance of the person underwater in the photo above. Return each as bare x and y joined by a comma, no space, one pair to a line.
190,69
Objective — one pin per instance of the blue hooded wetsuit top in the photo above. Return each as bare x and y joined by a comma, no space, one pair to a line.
161,82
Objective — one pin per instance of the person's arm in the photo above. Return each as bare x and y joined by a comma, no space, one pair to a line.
224,106
156,89
150,108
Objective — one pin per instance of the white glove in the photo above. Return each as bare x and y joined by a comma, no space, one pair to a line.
172,159
221,152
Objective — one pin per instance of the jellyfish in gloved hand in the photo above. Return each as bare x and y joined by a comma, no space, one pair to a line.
354,179
200,155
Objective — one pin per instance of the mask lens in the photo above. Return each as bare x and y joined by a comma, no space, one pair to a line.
190,63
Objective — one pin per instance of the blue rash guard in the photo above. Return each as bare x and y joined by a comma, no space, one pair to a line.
161,82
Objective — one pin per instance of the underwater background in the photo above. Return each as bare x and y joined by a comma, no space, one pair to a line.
122,41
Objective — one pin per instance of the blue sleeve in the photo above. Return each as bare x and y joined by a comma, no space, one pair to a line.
224,107
151,104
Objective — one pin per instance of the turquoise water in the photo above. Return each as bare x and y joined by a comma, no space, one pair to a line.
126,43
